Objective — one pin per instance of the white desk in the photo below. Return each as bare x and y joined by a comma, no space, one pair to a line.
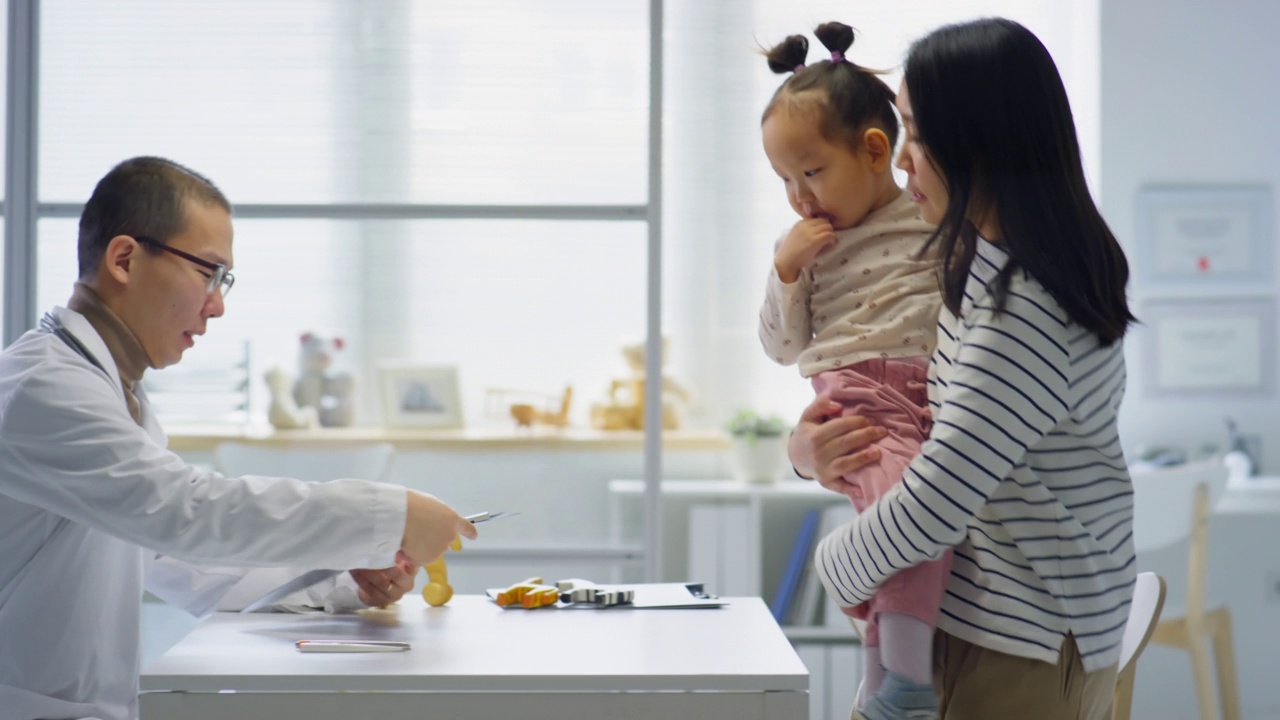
472,659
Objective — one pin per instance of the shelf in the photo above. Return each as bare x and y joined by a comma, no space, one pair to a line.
629,554
204,438
723,489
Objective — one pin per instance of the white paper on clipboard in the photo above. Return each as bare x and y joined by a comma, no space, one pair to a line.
672,595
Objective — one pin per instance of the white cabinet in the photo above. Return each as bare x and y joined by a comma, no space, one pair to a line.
746,531
737,539
835,669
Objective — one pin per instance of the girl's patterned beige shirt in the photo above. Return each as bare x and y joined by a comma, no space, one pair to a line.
870,295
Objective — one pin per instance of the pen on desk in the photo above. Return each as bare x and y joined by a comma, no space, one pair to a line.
351,646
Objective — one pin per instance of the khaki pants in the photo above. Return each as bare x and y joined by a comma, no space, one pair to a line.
974,683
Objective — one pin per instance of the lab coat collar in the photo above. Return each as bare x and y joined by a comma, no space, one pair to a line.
79,325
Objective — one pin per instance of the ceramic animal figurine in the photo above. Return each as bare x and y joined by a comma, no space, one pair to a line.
332,395
283,412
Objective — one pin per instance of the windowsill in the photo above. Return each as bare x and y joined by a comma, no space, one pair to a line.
204,438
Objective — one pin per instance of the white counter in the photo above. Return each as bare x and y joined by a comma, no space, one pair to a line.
474,659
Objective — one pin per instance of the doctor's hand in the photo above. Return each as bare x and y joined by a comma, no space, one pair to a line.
826,446
380,588
429,528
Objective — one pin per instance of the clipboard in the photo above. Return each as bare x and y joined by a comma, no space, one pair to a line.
674,596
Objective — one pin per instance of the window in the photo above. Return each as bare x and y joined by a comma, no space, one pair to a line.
464,183
514,132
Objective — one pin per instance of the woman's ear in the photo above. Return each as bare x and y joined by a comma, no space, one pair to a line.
879,149
117,261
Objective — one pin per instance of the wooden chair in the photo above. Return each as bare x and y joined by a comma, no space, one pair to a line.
1171,505
1148,601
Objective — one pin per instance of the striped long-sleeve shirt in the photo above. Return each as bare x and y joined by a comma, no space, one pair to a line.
1023,475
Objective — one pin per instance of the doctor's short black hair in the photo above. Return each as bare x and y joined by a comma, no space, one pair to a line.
142,196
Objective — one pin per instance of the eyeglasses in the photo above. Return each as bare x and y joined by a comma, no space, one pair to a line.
217,274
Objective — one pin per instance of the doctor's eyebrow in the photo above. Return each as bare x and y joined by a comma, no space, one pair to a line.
214,258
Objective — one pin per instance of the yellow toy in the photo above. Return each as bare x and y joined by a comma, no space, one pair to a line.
438,591
624,408
527,415
531,593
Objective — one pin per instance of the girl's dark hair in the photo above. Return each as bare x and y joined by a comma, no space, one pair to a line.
992,115
850,98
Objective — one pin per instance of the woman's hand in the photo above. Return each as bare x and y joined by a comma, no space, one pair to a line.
826,446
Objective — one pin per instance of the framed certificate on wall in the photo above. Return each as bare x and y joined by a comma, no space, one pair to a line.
1205,238
1214,347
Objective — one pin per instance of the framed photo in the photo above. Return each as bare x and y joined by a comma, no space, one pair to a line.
1210,348
420,396
1205,237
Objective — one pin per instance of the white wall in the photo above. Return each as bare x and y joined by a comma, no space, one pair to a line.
1187,99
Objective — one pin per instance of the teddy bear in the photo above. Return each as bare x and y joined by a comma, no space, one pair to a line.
624,409
332,395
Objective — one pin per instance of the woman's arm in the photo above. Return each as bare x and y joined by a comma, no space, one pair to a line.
1007,387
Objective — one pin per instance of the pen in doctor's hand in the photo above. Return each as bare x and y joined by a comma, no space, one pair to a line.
487,516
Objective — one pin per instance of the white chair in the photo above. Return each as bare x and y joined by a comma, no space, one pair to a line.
1144,612
366,462
1171,505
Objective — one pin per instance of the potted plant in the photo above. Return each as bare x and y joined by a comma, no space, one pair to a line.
758,449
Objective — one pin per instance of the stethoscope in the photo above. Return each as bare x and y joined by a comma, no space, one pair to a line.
51,324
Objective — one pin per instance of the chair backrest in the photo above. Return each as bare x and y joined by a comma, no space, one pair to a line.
366,462
1164,500
1148,601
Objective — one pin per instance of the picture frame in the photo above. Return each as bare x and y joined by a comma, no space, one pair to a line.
1209,348
420,396
1196,238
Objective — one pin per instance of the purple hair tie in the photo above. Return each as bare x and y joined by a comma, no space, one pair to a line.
837,56
799,68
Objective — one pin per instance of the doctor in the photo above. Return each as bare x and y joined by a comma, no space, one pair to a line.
94,508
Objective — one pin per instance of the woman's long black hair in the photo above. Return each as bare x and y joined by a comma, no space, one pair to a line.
992,114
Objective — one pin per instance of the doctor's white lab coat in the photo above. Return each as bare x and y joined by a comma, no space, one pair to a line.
94,508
